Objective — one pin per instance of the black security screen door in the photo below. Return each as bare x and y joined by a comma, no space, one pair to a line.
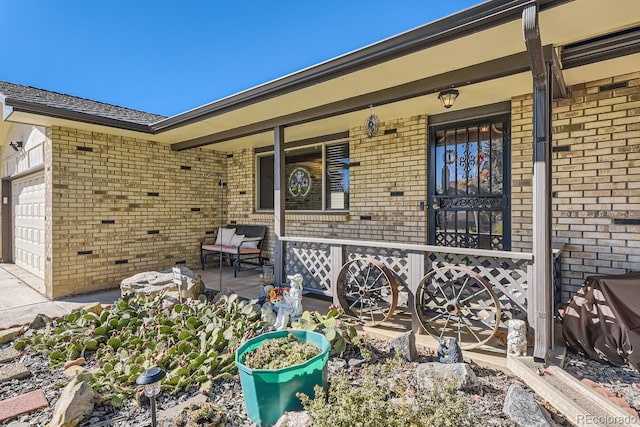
469,185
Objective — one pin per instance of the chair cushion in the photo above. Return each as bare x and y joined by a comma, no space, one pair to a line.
250,242
236,240
224,236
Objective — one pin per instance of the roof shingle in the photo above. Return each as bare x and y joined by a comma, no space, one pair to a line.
48,98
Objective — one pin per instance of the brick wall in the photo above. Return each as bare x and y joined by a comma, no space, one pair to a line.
384,164
596,178
118,206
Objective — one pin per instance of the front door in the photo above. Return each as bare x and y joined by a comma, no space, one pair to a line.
469,187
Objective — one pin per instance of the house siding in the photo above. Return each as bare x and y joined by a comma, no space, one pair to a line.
595,178
597,181
104,219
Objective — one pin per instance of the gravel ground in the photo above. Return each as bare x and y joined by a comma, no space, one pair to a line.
486,401
624,381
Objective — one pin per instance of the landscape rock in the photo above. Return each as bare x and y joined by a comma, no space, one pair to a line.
77,362
95,308
405,345
445,373
298,419
13,371
225,291
73,371
165,418
7,335
8,354
521,407
76,401
152,283
40,321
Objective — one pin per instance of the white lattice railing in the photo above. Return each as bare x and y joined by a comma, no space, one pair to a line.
320,260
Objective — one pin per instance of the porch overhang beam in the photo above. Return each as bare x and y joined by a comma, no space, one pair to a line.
615,45
540,307
478,73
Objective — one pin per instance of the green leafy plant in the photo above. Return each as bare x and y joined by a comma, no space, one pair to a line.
194,342
377,397
279,353
338,331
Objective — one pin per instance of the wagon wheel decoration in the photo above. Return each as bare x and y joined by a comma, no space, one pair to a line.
454,301
367,290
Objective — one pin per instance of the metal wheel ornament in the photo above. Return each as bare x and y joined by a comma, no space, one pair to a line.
367,290
456,302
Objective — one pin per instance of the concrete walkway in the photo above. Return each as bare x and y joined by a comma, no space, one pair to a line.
20,303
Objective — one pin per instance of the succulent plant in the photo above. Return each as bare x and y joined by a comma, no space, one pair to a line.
338,331
279,353
194,342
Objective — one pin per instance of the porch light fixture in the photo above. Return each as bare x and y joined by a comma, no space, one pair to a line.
448,97
150,381
17,145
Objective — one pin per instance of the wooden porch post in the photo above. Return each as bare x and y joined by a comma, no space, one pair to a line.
278,204
541,307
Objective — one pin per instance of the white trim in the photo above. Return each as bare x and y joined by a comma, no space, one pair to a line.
6,110
414,247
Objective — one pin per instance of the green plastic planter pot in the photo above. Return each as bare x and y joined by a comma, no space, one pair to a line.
269,393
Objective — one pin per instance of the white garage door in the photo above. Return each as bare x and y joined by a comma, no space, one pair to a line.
27,195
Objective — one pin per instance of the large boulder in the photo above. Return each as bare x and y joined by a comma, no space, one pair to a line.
152,283
521,407
74,404
432,373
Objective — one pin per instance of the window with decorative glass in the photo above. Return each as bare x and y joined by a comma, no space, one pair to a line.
316,178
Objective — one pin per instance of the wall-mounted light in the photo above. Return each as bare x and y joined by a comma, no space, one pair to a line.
17,145
448,97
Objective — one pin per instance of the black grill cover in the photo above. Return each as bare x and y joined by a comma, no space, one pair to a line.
603,319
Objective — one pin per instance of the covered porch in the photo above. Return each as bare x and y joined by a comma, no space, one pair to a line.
517,60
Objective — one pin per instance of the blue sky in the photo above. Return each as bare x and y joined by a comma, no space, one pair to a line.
167,57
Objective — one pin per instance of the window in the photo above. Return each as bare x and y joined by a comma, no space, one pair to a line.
316,178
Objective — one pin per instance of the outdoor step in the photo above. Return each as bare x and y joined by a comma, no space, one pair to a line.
23,404
8,354
12,371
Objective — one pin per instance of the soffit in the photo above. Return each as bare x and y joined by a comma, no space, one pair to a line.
471,96
584,19
563,24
